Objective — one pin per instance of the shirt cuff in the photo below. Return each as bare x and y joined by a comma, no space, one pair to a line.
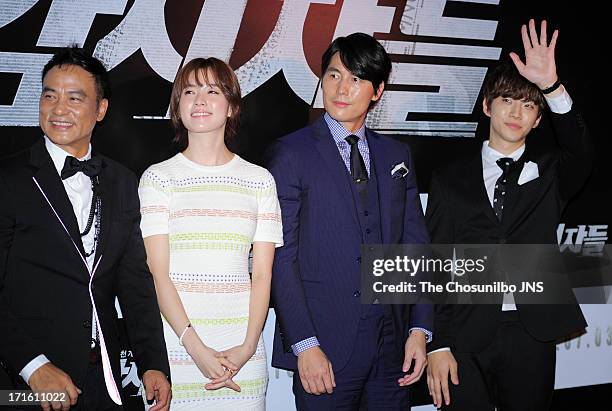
428,334
560,104
439,350
32,366
303,345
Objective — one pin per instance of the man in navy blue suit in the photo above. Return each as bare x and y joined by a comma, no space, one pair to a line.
342,185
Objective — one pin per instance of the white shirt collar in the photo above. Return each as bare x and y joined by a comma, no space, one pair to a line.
490,155
58,154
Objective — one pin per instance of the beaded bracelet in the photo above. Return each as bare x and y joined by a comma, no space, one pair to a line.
183,334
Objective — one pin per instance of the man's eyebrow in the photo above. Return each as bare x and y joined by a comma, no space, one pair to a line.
78,91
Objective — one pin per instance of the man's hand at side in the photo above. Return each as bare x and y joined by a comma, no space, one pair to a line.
316,371
441,364
48,378
414,350
157,387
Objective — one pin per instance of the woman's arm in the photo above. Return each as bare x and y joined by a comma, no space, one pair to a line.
158,259
263,257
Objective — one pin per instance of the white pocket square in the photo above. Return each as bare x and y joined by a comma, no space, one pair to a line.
399,170
529,172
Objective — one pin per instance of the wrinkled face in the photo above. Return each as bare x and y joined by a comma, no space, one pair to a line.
511,121
346,97
68,108
203,108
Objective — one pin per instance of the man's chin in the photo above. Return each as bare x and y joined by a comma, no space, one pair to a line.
338,116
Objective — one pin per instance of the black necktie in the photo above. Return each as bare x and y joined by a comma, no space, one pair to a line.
500,186
90,168
358,168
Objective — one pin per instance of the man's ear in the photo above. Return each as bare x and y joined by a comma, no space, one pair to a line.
485,107
537,121
102,107
379,91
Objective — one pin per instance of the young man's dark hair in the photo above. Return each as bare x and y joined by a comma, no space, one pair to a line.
506,81
76,56
362,55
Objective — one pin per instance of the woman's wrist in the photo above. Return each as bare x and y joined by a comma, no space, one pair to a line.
191,340
250,346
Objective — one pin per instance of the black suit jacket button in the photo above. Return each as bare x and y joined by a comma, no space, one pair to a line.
86,324
357,293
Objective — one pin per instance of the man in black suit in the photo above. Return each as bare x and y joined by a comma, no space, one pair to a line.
70,243
504,355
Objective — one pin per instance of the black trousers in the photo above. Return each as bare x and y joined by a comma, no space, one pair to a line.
367,379
95,396
514,373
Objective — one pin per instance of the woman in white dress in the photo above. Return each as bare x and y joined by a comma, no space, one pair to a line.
202,212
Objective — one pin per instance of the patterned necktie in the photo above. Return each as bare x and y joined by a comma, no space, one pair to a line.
500,186
358,168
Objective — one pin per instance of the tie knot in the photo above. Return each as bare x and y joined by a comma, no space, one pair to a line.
90,168
505,163
352,139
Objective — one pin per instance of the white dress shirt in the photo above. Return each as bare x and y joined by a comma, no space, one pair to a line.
491,172
79,191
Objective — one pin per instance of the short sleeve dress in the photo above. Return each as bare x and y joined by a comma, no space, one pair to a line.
212,215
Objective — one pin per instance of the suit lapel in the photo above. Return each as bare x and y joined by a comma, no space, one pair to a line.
53,188
381,163
105,189
338,173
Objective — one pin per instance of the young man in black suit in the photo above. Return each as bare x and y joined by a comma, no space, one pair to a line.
504,355
70,243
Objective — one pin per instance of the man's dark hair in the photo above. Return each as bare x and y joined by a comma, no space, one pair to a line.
362,55
76,56
506,81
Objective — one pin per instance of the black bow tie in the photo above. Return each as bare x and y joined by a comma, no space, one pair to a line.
90,168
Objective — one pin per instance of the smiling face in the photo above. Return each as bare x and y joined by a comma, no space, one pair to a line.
69,108
346,97
511,122
203,107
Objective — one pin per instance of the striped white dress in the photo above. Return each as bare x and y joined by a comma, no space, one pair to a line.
212,215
